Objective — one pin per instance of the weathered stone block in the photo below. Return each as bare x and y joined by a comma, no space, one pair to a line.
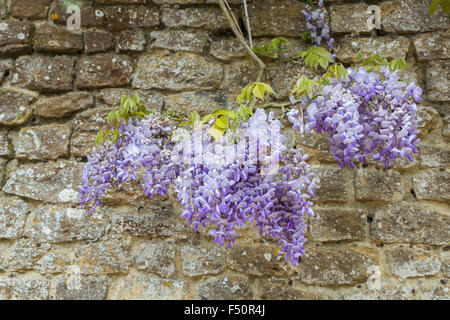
432,46
227,49
158,258
24,289
87,124
32,258
108,257
54,223
347,265
272,290
131,41
432,156
48,142
348,48
432,185
91,288
64,105
155,225
275,18
31,9
181,71
141,287
97,41
332,184
15,106
237,76
381,185
55,182
224,288
15,38
5,146
43,73
337,224
91,17
54,39
257,261
130,17
349,18
404,222
179,40
201,101
105,70
197,261
407,16
13,212
210,18
410,262
438,81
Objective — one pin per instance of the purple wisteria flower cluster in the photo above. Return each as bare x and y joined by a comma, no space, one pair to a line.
245,176
317,24
367,114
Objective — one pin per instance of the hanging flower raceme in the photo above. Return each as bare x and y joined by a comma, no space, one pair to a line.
367,114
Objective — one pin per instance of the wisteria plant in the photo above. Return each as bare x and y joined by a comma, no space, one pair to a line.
233,166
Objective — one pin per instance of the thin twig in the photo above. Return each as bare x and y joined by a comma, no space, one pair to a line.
247,19
235,27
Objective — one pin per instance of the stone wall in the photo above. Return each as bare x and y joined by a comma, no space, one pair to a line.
378,233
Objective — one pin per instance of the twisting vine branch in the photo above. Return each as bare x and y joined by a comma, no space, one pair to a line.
247,20
235,27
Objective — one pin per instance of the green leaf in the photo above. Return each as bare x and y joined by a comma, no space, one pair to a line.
194,117
206,118
316,56
216,132
433,6
99,138
222,112
445,6
221,123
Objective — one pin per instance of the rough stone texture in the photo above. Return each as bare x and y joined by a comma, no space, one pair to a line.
53,223
97,41
378,185
91,288
432,46
348,48
412,262
210,18
257,261
43,143
176,72
103,258
179,40
15,38
55,182
13,212
43,73
349,18
332,184
224,288
409,223
270,18
24,289
337,224
432,185
87,124
130,17
157,258
52,39
407,16
28,258
143,287
438,81
64,105
181,55
31,9
200,261
338,266
103,71
15,106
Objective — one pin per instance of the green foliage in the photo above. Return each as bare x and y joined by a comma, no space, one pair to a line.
303,87
316,56
130,109
271,49
254,90
445,6
374,62
306,37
